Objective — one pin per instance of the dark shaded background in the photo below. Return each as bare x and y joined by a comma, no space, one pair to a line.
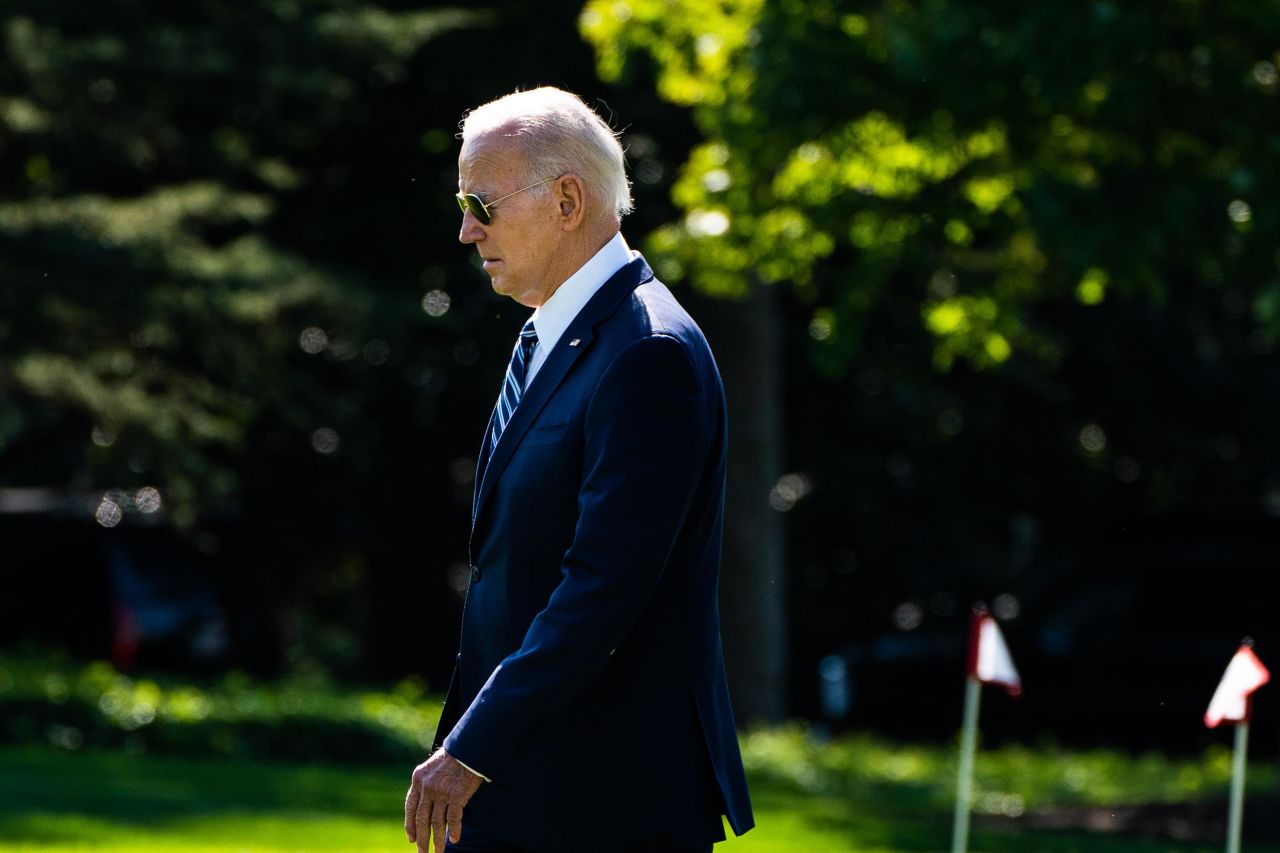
186,191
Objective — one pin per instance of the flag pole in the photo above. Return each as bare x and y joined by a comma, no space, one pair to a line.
1235,815
964,779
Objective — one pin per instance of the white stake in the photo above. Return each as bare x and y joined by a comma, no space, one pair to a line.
964,779
1235,815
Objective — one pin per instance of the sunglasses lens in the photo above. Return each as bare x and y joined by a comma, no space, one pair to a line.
473,203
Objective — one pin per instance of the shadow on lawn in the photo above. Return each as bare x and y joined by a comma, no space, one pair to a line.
141,788
889,823
1191,821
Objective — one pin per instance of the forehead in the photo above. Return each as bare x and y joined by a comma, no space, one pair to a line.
488,160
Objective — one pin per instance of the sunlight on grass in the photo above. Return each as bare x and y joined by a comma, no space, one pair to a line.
131,765
856,794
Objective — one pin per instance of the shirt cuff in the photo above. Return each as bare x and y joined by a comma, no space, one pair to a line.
473,772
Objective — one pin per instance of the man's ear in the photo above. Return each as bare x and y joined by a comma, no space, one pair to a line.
571,197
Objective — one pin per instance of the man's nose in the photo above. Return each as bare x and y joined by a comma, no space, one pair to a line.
472,231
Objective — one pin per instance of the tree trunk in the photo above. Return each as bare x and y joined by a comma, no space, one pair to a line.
746,337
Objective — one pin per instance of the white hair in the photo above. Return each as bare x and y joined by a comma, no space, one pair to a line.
558,134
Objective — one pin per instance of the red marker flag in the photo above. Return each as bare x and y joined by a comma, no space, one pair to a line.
1230,702
989,658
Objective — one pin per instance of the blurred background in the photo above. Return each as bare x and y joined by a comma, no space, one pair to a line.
995,290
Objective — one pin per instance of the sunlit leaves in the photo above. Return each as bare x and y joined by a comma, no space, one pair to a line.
159,218
989,193
698,43
383,33
788,244
157,401
20,115
219,717
1092,288
886,132
969,327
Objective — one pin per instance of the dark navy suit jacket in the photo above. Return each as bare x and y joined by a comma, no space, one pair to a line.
590,685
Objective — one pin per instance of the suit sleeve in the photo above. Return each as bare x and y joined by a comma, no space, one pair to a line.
647,436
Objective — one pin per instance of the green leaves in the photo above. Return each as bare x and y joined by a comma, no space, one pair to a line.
949,136
699,46
157,178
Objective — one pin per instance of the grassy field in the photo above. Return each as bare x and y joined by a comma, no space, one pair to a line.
98,760
891,802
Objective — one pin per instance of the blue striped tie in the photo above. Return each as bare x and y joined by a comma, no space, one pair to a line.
513,384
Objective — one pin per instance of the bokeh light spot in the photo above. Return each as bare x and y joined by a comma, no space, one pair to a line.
1239,211
907,616
1005,607
462,470
822,325
325,440
376,352
1127,469
950,422
1092,288
709,44
1093,439
1265,75
147,499
436,303
109,513
458,577
103,436
650,172
943,284
717,180
313,340
789,489
707,223
341,349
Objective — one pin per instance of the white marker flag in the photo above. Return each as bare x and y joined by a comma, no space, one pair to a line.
989,663
989,658
1230,702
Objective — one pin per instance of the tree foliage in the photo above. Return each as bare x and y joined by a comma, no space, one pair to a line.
1012,158
231,291
155,269
1032,281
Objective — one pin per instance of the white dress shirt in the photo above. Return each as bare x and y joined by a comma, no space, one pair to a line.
554,316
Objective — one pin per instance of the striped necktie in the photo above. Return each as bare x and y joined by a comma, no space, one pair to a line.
513,384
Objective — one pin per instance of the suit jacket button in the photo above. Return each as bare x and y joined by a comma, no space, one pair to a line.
475,573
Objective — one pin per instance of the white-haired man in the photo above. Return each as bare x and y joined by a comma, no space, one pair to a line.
589,711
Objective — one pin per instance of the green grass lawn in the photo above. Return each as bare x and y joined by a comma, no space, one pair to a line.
60,800
98,760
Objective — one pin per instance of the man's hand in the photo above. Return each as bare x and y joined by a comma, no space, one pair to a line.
441,787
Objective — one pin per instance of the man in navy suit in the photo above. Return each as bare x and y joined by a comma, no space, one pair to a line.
589,711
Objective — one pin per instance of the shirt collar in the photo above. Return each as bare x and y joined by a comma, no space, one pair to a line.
554,316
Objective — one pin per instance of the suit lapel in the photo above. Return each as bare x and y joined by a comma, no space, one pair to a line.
551,374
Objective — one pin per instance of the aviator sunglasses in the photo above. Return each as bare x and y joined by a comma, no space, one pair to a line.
480,210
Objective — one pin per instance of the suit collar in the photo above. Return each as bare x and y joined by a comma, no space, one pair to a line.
553,317
559,361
